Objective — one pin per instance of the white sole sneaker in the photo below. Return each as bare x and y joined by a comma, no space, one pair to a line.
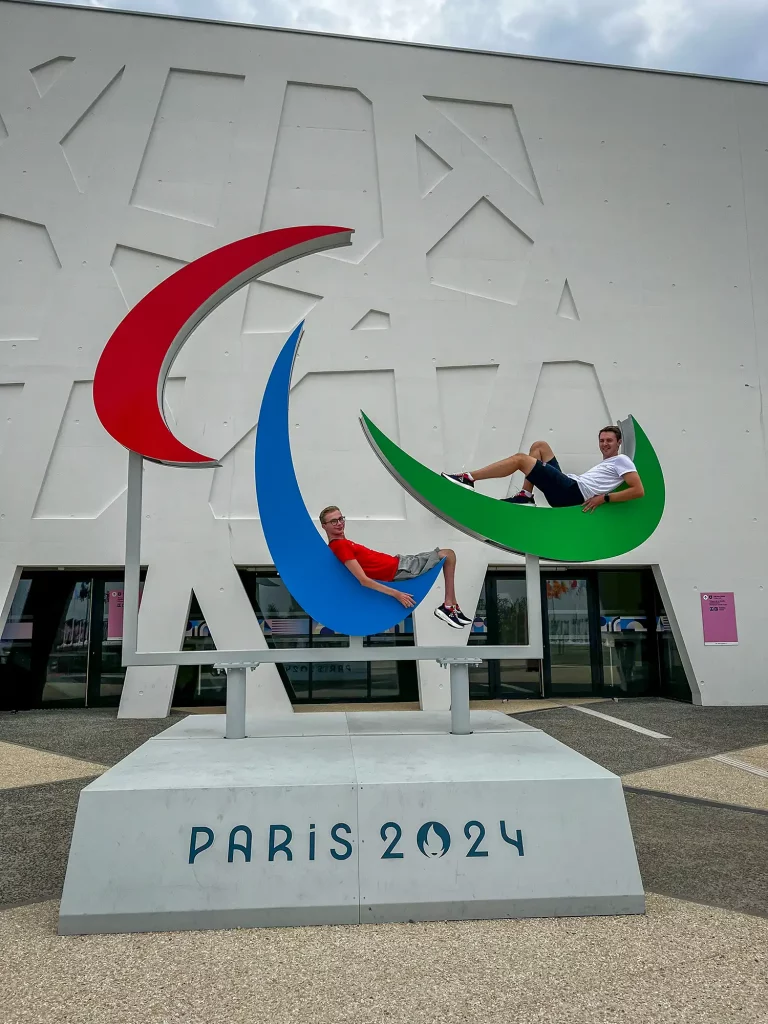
459,483
440,614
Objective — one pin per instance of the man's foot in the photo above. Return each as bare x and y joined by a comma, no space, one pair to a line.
521,498
463,479
461,616
449,615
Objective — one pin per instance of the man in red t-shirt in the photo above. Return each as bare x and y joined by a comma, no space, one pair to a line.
374,569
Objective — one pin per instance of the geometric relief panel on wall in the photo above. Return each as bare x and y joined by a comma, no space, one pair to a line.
432,168
45,75
91,145
374,320
137,272
330,452
87,469
324,168
233,494
494,128
10,395
464,393
567,307
483,254
3,130
272,308
567,410
28,268
184,167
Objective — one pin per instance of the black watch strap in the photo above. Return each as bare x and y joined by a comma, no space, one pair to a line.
607,497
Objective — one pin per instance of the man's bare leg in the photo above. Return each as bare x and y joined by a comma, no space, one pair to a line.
449,575
542,451
505,467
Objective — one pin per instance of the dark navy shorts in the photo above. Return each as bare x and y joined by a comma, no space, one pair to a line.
559,490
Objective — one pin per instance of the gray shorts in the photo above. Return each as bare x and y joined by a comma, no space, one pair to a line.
410,566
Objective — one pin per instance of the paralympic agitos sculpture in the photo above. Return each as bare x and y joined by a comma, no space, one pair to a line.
128,396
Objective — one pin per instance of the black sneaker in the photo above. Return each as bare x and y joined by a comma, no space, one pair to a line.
523,498
462,479
462,618
448,615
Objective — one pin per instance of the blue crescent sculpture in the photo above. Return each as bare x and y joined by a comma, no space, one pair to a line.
317,580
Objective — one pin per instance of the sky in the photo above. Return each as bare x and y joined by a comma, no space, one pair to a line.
711,37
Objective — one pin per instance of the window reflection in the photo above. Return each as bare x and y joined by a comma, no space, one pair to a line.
624,632
287,627
67,670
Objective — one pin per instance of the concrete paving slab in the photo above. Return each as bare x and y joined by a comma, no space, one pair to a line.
709,854
25,766
36,825
758,756
380,723
90,734
706,780
194,764
213,726
705,730
620,750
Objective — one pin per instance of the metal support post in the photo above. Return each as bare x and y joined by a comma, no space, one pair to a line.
460,699
533,596
132,555
235,729
459,669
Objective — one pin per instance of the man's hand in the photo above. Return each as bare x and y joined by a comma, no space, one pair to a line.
406,600
592,503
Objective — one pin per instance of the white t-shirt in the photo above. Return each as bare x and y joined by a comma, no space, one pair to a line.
605,477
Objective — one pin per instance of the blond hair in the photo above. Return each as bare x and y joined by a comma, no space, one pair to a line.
326,510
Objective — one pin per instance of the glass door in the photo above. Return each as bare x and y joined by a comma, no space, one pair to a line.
569,623
62,645
66,671
513,678
628,658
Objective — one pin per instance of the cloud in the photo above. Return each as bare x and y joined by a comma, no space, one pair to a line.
703,36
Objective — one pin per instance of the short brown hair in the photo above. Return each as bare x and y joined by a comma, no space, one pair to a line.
326,510
611,429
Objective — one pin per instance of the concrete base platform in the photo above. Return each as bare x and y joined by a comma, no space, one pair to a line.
344,818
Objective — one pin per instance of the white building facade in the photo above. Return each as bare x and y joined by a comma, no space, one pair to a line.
540,248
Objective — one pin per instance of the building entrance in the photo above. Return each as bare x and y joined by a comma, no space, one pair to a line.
605,634
61,644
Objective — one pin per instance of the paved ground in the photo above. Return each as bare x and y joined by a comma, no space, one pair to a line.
699,955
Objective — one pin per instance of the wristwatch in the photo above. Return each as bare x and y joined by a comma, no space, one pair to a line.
607,497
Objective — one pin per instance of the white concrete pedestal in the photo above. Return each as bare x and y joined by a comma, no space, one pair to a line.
340,818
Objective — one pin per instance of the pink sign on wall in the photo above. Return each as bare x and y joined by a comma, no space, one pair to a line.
718,616
114,614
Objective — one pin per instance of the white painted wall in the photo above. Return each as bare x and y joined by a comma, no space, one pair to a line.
477,185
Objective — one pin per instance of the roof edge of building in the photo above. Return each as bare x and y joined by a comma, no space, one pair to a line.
389,42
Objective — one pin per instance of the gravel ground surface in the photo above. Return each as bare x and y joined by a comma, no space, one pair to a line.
681,963
697,957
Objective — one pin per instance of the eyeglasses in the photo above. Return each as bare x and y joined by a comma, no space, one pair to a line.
335,522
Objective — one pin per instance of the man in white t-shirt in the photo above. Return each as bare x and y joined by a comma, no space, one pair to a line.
595,487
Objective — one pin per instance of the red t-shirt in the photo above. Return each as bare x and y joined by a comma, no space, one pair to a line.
375,564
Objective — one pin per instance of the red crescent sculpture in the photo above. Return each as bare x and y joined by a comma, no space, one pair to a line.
130,377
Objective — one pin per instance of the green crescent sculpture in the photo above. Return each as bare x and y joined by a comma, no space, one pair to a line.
555,534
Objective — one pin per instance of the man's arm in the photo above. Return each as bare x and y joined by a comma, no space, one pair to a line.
406,600
634,489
